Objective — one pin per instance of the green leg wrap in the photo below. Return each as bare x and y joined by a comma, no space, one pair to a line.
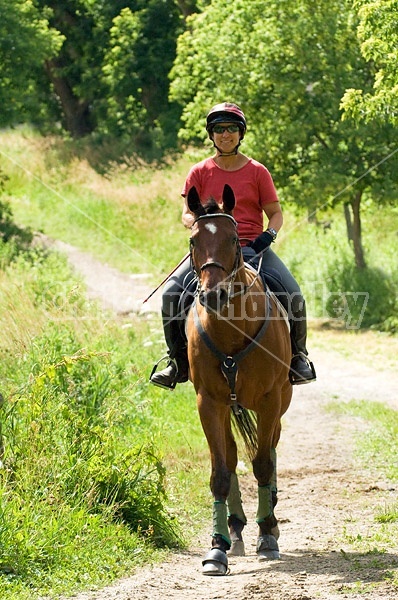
274,487
265,507
234,500
220,525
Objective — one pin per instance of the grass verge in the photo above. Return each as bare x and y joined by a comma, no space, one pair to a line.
372,539
96,474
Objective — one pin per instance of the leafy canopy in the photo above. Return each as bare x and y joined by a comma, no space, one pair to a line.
378,34
26,41
288,64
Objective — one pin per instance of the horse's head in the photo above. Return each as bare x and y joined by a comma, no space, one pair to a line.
215,248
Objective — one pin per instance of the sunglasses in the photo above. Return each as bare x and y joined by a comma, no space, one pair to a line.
222,128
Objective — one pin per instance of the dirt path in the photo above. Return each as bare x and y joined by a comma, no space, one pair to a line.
320,493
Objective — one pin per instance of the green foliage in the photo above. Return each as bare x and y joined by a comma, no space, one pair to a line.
133,485
66,420
360,297
378,34
14,238
333,287
135,73
82,486
93,68
302,57
26,41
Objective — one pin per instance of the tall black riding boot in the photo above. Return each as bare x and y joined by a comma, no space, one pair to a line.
177,367
301,368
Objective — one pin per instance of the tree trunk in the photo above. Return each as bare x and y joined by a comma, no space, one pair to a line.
357,231
187,7
76,111
348,222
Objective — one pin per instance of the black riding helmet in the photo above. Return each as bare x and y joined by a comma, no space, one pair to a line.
226,112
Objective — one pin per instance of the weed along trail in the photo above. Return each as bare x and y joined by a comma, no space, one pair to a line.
329,537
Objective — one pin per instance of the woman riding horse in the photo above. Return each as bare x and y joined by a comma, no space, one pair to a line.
255,193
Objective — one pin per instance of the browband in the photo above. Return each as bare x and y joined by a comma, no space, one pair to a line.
211,216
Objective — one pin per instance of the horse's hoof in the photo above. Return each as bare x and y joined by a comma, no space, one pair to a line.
267,548
215,563
237,548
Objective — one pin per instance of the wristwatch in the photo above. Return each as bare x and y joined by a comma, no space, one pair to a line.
273,232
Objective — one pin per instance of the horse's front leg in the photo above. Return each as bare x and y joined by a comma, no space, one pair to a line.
213,417
236,516
264,468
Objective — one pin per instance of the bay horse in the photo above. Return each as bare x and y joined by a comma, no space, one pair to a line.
239,353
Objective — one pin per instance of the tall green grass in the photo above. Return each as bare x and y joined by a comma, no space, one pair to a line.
109,215
85,495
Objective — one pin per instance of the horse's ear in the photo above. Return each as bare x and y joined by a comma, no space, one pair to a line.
228,199
194,203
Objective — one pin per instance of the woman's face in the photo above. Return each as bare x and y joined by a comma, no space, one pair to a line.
226,135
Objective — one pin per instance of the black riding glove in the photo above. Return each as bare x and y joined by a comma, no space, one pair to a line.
262,242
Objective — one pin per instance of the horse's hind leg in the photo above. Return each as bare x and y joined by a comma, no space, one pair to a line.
274,491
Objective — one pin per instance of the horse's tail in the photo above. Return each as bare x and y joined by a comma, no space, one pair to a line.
245,422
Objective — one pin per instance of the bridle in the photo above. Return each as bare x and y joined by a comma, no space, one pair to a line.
212,263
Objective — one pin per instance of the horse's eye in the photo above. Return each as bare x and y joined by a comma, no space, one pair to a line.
191,242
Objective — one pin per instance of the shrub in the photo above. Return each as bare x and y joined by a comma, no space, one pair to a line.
366,297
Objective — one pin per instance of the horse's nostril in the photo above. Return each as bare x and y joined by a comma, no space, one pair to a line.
223,296
202,298
214,300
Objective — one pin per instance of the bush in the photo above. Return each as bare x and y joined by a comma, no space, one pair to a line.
133,485
62,440
362,297
18,237
322,262
80,479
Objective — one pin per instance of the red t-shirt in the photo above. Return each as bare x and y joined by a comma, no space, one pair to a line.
252,185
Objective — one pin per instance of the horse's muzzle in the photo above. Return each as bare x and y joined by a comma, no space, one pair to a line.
214,300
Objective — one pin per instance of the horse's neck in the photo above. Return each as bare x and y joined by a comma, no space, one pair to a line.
244,315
